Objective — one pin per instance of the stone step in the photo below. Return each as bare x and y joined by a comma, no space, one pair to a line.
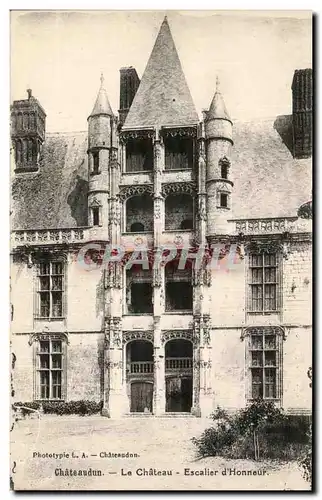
163,415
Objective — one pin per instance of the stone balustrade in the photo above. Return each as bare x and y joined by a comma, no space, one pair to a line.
265,225
141,367
178,363
50,236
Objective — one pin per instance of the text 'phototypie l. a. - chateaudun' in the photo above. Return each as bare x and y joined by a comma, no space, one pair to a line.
163,339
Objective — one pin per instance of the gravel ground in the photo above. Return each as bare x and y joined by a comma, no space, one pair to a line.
161,444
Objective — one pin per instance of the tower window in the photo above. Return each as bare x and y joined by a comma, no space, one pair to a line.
96,163
224,200
96,216
224,171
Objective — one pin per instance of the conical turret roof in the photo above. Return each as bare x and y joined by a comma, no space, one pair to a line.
102,105
218,108
163,97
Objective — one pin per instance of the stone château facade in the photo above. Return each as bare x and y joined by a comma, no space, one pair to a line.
162,339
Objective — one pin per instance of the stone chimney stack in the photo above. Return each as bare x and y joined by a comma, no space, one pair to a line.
129,83
302,94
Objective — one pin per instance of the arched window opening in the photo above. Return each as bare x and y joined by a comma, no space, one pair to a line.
139,155
178,287
178,212
139,291
178,153
139,214
178,371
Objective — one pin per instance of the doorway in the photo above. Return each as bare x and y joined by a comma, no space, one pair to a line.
179,394
141,397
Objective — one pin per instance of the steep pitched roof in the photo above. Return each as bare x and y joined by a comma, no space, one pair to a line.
163,97
218,108
56,196
268,181
102,105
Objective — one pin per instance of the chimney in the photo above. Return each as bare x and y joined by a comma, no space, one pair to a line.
129,83
28,126
302,93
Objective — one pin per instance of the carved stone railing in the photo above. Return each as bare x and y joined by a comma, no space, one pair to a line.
141,367
264,225
49,236
178,364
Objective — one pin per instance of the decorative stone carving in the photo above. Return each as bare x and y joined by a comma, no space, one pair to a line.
47,335
269,246
136,134
157,151
207,276
127,336
176,334
127,191
179,131
268,330
202,212
241,226
157,277
201,150
113,331
178,240
206,328
264,226
157,207
94,203
178,187
33,237
197,322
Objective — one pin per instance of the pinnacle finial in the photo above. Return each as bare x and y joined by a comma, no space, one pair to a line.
102,79
217,84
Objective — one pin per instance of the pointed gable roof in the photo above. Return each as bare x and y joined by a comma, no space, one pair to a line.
163,97
102,105
218,108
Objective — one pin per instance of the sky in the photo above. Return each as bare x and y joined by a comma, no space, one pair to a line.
60,55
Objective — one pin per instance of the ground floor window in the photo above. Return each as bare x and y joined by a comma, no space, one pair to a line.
50,369
265,363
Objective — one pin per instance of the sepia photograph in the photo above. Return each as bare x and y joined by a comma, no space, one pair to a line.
161,250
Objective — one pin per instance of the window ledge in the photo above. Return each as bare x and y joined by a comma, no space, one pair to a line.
180,311
137,172
223,208
44,318
263,313
138,314
188,169
139,232
178,231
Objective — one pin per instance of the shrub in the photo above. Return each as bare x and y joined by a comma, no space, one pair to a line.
82,407
278,436
33,405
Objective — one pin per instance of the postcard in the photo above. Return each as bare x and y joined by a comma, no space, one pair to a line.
161,250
